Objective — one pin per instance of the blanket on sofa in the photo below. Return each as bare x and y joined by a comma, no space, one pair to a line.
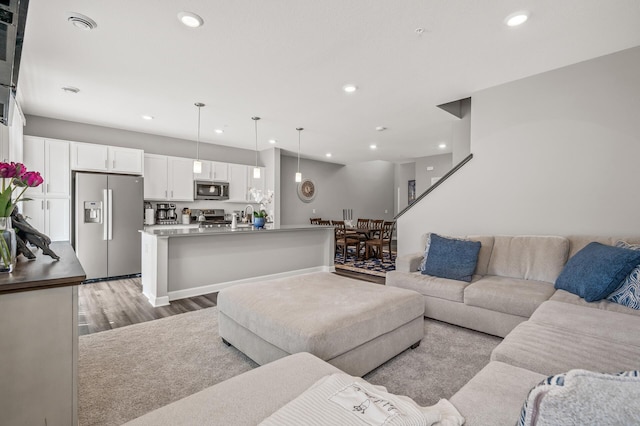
341,399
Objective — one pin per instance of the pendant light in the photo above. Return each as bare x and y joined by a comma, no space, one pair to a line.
298,174
197,164
256,169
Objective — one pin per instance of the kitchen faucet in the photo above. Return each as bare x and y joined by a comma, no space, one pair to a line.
249,218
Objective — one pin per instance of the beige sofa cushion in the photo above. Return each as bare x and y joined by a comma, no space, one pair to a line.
321,313
530,257
578,242
427,285
484,256
552,350
495,395
604,304
508,295
581,320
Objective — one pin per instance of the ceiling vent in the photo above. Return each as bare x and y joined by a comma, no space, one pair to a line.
81,21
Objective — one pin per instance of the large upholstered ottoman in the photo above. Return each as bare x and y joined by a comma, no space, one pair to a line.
353,325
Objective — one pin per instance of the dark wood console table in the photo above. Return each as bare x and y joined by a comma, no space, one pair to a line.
39,339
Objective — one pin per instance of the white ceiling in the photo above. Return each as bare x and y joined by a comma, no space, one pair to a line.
287,60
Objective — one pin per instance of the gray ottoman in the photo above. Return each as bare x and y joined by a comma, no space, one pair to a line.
354,325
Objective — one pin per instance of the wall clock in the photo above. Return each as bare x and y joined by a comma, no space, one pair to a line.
306,190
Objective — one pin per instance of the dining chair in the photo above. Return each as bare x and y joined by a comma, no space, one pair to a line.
324,222
362,223
344,240
386,235
314,220
375,226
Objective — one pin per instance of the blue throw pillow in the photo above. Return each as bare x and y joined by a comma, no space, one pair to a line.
451,258
596,270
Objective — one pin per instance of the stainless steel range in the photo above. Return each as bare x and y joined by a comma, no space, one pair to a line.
213,218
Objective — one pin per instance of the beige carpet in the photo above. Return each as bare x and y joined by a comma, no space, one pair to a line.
126,372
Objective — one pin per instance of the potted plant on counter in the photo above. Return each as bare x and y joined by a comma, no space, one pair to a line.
259,218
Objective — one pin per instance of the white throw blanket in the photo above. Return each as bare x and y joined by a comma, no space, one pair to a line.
341,399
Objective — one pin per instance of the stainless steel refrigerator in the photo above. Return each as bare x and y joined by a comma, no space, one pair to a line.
108,214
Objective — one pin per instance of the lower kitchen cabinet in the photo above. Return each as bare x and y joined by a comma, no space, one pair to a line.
51,216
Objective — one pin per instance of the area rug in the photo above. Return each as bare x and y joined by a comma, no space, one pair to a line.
126,372
371,266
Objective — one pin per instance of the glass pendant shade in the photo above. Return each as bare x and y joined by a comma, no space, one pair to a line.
197,166
256,172
298,177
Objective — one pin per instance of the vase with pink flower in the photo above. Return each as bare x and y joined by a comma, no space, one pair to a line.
15,181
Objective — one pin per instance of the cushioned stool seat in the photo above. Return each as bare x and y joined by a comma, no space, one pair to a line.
351,324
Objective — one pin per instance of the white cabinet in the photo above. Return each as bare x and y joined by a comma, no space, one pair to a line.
168,178
220,171
238,183
49,211
213,171
50,157
241,180
104,158
180,178
155,177
50,216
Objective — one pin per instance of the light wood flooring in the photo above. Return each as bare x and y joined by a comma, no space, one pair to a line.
106,305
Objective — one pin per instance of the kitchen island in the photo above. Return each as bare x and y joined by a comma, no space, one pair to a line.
186,262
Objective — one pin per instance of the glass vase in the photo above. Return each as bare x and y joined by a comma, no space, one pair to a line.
7,246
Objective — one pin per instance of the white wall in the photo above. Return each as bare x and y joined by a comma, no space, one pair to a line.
556,153
441,164
367,188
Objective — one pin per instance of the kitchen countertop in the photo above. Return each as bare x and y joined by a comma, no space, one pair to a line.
225,230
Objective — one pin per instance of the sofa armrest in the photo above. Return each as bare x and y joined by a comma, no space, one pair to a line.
409,262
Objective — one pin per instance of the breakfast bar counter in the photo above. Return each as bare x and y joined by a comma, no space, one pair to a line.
186,262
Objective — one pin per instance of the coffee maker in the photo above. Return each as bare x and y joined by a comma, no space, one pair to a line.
166,214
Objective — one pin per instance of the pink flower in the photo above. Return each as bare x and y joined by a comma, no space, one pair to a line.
32,179
20,169
7,170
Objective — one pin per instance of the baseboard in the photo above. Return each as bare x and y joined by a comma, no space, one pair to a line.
212,288
157,301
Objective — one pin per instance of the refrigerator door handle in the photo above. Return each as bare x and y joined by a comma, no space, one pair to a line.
110,195
105,234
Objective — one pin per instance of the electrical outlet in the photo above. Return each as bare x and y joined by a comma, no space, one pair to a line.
430,168
386,211
314,210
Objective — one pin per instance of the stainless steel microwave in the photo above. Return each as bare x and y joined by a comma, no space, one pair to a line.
203,190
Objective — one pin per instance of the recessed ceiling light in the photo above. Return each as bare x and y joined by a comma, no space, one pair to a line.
517,18
272,141
442,146
381,128
328,154
373,146
147,117
349,88
81,21
70,89
219,131
190,19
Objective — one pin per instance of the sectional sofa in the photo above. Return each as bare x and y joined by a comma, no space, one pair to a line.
511,294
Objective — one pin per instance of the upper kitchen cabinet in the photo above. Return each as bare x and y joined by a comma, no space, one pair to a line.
168,178
104,158
213,171
50,157
238,183
241,180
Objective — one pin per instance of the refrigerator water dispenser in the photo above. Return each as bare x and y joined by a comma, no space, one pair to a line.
93,212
